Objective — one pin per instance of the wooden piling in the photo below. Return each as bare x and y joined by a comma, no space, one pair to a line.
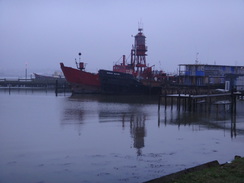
56,87
190,101
159,103
165,100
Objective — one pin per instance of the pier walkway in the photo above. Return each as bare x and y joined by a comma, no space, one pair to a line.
190,102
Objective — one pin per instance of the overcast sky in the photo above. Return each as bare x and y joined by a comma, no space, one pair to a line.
43,33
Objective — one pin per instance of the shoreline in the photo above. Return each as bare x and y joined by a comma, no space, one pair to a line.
175,177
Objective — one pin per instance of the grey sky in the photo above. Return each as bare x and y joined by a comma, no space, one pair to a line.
44,33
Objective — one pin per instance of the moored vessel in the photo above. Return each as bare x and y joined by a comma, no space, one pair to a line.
135,77
80,81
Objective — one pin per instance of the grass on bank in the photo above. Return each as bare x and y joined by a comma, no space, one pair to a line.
230,172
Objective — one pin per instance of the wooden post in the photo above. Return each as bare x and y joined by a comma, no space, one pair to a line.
193,105
196,99
9,89
56,87
189,103
233,103
206,101
209,104
178,101
165,99
64,89
159,103
185,103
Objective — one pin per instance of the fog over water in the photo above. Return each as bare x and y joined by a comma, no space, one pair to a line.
41,34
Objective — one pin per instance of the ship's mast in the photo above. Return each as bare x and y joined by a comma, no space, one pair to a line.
80,65
79,56
138,51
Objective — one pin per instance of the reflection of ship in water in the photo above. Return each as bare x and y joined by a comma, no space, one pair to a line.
125,110
136,121
75,112
73,117
138,132
217,117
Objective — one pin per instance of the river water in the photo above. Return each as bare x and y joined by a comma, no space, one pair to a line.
94,138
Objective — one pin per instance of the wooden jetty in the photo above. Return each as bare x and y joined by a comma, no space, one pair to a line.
59,85
191,102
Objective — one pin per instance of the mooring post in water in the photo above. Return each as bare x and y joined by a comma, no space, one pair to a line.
185,103
171,98
233,125
165,99
9,89
64,89
158,118
195,104
206,102
233,102
46,87
209,103
189,102
159,103
56,87
178,101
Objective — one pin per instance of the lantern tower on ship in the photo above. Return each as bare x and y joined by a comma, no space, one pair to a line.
138,51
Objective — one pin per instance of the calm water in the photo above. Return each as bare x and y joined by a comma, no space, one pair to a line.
47,139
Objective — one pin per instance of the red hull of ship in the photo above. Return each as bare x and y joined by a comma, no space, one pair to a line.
81,81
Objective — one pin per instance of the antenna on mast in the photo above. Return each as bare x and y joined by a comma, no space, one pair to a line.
80,65
79,56
140,26
196,61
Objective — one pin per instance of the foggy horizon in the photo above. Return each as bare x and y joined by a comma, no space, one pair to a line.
41,34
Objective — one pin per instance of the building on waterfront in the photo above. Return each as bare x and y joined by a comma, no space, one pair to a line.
207,75
234,81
